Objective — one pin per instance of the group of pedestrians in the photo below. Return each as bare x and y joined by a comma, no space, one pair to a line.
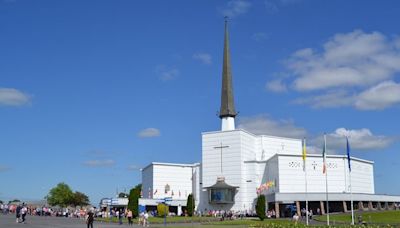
20,213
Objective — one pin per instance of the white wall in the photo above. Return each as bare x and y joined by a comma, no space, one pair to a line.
178,177
147,181
271,145
231,163
292,176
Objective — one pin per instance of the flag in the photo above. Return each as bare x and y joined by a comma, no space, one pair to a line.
155,192
304,154
324,156
348,152
179,193
172,193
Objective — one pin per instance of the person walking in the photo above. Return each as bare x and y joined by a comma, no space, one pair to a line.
18,213
24,211
90,219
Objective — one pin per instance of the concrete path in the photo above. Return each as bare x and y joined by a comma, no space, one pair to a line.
8,221
52,222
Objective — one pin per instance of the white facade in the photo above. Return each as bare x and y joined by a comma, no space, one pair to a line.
161,180
249,161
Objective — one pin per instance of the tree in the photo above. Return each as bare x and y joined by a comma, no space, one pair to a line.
60,195
1,201
133,203
14,201
190,205
122,195
260,207
80,199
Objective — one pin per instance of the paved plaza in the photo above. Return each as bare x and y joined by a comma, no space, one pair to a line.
8,221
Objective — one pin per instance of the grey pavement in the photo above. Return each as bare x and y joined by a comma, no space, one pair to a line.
8,221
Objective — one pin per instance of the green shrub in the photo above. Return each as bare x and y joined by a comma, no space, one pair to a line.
190,205
260,207
133,203
162,210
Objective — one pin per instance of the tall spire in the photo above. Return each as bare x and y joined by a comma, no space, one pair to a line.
227,112
227,102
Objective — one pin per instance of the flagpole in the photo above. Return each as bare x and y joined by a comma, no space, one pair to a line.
351,200
326,183
305,177
351,189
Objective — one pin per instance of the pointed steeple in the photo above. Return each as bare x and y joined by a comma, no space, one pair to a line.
227,101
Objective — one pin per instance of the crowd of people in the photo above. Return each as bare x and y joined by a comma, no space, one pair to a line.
21,210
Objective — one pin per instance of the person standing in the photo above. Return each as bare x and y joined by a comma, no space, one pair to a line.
129,216
146,219
90,219
119,215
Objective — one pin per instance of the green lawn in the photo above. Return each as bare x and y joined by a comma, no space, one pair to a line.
339,220
391,217
158,220
252,221
206,221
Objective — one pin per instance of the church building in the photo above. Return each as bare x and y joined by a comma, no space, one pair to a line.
237,166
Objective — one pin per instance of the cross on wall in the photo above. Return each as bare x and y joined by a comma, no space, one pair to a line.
314,164
221,147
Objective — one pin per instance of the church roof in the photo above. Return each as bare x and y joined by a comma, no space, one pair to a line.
221,184
227,102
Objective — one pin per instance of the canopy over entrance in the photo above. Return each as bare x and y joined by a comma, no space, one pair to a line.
221,192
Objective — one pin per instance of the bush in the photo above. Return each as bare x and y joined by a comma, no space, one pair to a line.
190,205
133,203
162,210
260,207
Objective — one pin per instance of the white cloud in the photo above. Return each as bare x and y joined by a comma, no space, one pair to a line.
276,86
262,124
359,139
259,36
235,8
149,132
330,99
167,73
380,96
99,163
203,57
13,97
353,59
134,168
354,69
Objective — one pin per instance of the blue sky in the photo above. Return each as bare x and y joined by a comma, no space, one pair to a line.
90,91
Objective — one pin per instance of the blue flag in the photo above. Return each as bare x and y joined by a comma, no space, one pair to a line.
348,152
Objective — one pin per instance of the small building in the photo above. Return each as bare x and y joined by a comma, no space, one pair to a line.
169,180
